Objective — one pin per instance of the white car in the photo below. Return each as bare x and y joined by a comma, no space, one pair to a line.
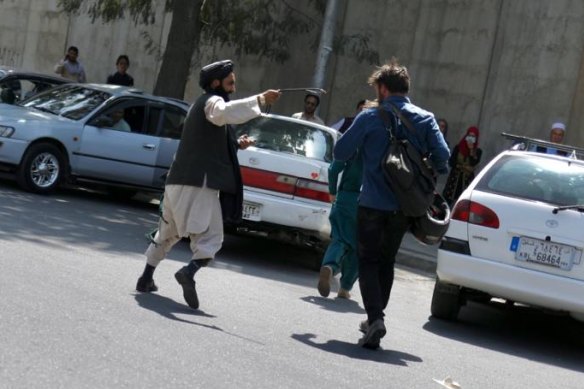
285,177
68,134
517,233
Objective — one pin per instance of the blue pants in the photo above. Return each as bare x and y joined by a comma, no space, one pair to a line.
341,254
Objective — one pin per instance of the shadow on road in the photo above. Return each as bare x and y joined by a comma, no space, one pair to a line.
80,217
76,216
169,309
335,305
352,350
520,331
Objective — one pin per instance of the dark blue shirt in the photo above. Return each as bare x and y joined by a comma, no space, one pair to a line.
369,135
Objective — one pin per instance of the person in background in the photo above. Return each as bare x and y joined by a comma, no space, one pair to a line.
121,77
311,102
342,125
341,254
69,67
7,96
204,187
120,123
557,133
443,125
464,159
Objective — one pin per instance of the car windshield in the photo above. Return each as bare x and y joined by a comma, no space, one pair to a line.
289,137
554,181
73,102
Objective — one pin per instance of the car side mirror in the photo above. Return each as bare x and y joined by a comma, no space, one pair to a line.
103,121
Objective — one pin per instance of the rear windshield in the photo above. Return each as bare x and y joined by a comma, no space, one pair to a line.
289,137
558,182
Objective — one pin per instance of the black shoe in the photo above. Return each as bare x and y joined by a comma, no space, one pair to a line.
146,286
375,332
188,285
364,326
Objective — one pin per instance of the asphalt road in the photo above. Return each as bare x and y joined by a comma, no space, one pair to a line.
70,318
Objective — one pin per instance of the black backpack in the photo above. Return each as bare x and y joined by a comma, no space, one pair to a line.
407,170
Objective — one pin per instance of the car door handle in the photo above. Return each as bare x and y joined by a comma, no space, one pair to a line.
149,146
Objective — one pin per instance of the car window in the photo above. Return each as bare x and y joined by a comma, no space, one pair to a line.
558,182
289,137
134,115
73,102
172,122
124,116
153,120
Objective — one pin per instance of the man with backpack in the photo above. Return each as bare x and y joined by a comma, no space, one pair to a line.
381,223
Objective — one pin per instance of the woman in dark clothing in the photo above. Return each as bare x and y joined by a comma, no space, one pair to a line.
465,156
121,77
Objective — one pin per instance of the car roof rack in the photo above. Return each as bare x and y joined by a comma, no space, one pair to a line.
526,143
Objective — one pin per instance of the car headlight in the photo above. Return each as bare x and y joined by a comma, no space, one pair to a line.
6,132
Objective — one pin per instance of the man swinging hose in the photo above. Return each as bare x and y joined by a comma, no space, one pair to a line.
205,168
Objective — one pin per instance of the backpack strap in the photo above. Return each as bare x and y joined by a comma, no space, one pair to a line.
385,118
402,118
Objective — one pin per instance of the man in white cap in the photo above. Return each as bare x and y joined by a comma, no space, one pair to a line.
203,186
556,136
557,132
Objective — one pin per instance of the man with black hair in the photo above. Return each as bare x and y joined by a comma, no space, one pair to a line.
343,124
69,67
380,223
311,102
121,76
204,185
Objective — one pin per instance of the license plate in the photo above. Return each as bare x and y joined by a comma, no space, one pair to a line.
545,253
252,212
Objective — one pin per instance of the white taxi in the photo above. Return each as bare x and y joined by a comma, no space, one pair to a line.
517,233
285,178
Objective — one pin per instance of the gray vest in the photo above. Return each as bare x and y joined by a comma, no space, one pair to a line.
203,151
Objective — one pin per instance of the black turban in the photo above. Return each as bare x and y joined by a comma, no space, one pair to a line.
215,71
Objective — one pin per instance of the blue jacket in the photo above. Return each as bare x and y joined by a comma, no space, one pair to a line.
369,135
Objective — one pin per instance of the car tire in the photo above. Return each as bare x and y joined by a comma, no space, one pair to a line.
446,301
42,168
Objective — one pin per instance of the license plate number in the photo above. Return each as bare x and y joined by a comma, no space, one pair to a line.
545,253
251,212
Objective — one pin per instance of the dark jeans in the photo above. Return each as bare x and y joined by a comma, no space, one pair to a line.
380,235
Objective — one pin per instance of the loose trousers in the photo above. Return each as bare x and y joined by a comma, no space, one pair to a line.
341,253
188,211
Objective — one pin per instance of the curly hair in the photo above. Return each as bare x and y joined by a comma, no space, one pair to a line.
394,76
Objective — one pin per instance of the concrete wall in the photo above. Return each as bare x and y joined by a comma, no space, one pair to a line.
504,65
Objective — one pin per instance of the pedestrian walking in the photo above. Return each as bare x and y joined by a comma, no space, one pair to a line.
380,223
70,67
121,76
204,185
465,157
341,253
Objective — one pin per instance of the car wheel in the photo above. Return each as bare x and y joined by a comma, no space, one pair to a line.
446,301
42,168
